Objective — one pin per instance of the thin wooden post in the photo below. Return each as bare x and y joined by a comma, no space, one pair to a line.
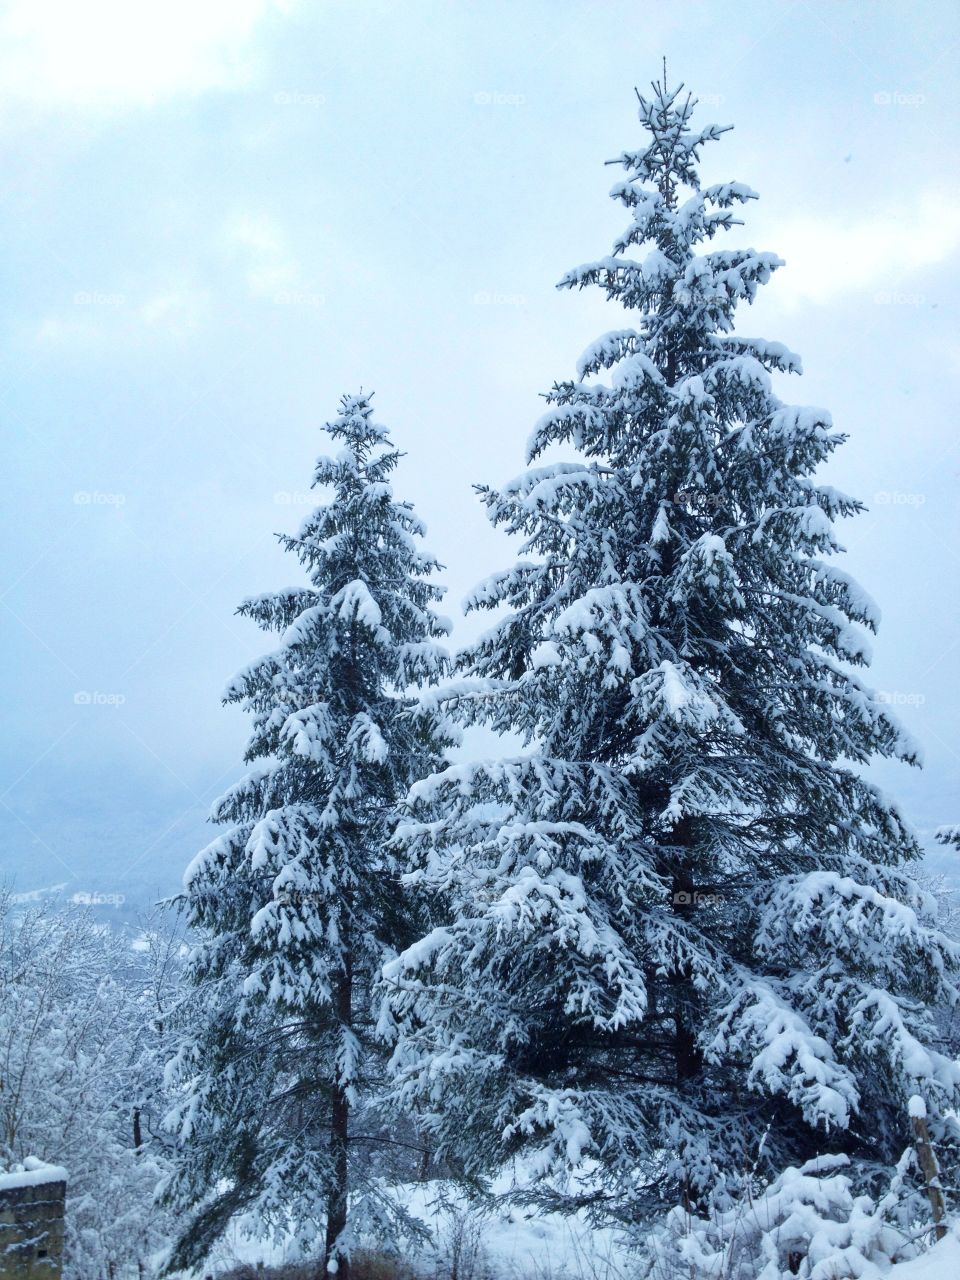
928,1165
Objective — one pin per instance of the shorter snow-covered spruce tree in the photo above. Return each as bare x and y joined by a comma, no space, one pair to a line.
683,914
298,904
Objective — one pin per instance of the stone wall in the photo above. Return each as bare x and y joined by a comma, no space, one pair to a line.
31,1222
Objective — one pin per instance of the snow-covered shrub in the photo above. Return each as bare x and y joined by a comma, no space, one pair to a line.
810,1222
461,1254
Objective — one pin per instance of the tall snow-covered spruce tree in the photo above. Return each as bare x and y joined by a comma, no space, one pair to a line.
682,919
297,905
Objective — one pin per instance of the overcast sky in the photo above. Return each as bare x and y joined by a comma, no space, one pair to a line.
216,216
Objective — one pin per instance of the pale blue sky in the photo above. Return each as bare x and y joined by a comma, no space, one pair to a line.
217,216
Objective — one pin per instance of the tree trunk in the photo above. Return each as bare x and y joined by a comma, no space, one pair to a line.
424,1164
337,1197
687,1057
339,1137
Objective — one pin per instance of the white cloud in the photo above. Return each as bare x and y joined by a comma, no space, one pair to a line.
827,257
61,330
113,54
177,311
260,246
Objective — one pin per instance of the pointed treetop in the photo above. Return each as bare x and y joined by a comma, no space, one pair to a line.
354,423
363,438
674,151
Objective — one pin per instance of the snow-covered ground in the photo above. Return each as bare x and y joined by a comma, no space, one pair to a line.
517,1244
942,1262
474,1243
